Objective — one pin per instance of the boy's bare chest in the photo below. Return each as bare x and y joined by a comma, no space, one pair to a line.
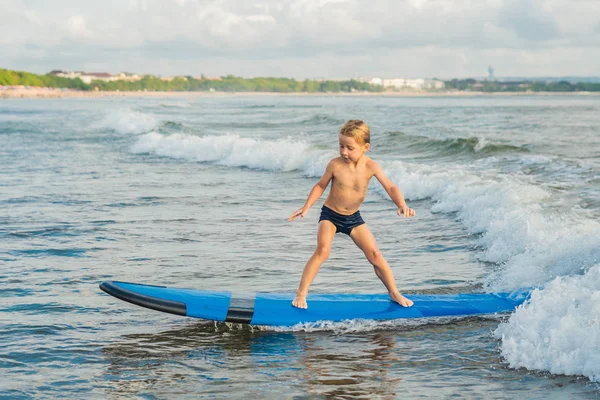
347,180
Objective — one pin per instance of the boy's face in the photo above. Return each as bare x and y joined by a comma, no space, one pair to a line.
350,149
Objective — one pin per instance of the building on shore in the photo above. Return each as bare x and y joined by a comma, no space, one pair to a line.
88,77
96,76
127,77
170,78
66,74
405,84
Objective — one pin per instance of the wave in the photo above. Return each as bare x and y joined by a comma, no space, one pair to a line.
532,244
300,120
172,125
558,329
258,106
234,151
294,106
175,105
322,119
453,146
556,251
126,121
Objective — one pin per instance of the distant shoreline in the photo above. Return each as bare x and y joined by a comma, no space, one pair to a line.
51,93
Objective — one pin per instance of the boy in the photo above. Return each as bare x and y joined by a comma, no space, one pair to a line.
349,174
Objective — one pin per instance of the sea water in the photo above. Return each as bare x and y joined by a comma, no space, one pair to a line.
194,192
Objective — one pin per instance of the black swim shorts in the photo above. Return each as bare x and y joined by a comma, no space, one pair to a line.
343,223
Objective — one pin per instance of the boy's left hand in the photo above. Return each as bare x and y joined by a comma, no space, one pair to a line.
407,211
298,213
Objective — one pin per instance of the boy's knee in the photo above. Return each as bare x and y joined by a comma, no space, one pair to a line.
374,255
323,251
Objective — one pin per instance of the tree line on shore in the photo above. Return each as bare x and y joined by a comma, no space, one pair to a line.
228,83
19,78
232,83
521,86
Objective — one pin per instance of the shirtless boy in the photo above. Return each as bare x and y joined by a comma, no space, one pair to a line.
349,175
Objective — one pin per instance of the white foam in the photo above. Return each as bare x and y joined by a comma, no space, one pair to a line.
232,150
480,145
126,121
532,244
558,330
362,325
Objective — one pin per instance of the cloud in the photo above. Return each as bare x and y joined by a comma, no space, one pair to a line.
326,37
77,28
529,20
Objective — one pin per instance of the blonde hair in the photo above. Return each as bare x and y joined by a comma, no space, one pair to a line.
358,130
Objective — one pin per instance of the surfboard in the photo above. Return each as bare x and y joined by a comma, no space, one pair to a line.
276,308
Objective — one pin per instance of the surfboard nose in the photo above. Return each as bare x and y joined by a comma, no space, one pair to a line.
117,289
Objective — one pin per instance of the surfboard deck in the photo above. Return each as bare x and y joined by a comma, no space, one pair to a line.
276,308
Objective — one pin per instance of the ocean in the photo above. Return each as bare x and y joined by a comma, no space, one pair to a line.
194,192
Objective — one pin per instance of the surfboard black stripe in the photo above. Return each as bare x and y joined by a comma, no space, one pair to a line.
241,309
170,306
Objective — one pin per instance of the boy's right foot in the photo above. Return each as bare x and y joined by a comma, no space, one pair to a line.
300,302
403,301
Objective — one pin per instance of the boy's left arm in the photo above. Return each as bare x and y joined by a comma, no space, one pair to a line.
393,191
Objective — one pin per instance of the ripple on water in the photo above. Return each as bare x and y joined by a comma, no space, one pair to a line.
45,308
50,252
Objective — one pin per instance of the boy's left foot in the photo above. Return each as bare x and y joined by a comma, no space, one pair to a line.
403,301
300,302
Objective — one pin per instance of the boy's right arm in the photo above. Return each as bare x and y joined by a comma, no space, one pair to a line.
315,193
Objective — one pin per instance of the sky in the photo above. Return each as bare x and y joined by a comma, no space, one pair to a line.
304,38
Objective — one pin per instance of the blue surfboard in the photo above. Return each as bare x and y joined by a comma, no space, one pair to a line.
276,308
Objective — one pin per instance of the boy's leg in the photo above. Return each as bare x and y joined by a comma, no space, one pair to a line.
324,239
365,241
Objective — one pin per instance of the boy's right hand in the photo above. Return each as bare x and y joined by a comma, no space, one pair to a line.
406,210
299,213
